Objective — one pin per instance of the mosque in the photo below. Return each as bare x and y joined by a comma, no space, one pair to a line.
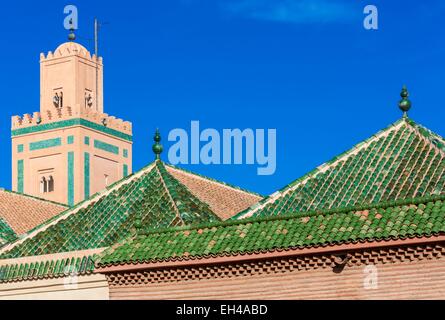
80,224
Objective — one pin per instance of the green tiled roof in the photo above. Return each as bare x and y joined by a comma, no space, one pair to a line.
6,233
46,269
151,197
393,220
403,161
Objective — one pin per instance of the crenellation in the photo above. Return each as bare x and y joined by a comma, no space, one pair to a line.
71,140
36,117
67,113
27,118
70,50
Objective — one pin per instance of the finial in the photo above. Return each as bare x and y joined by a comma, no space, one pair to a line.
157,147
71,35
404,104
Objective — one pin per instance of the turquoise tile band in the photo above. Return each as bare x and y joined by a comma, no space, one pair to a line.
69,123
44,144
106,147
71,178
20,176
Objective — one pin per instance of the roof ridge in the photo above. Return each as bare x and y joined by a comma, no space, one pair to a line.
427,134
229,185
6,232
159,168
171,183
320,169
361,207
73,210
15,193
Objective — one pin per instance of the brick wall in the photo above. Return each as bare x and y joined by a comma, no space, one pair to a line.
408,278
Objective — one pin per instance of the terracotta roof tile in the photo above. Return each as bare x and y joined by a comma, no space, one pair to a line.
223,199
24,213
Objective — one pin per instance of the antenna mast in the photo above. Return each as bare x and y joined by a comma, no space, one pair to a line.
96,51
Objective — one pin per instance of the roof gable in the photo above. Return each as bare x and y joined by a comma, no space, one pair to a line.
151,197
403,161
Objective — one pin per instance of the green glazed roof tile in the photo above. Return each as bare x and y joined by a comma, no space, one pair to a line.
6,233
363,223
403,161
46,269
152,197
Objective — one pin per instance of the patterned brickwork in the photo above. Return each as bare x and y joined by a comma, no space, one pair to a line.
282,265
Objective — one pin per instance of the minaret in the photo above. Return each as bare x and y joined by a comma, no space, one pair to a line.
71,149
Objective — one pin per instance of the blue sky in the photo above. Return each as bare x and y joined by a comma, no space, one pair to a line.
307,68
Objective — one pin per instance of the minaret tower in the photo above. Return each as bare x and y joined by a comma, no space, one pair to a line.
71,149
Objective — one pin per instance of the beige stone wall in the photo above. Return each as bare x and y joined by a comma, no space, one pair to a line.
423,279
90,287
72,70
75,76
54,161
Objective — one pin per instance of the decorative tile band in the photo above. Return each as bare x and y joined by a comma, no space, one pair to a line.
50,143
20,148
69,123
71,178
106,147
86,182
20,176
70,140
125,170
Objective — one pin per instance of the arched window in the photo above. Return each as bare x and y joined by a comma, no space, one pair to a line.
46,184
58,99
88,100
43,186
50,184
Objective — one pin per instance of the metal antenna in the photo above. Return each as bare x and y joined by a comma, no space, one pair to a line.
96,37
97,26
96,51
